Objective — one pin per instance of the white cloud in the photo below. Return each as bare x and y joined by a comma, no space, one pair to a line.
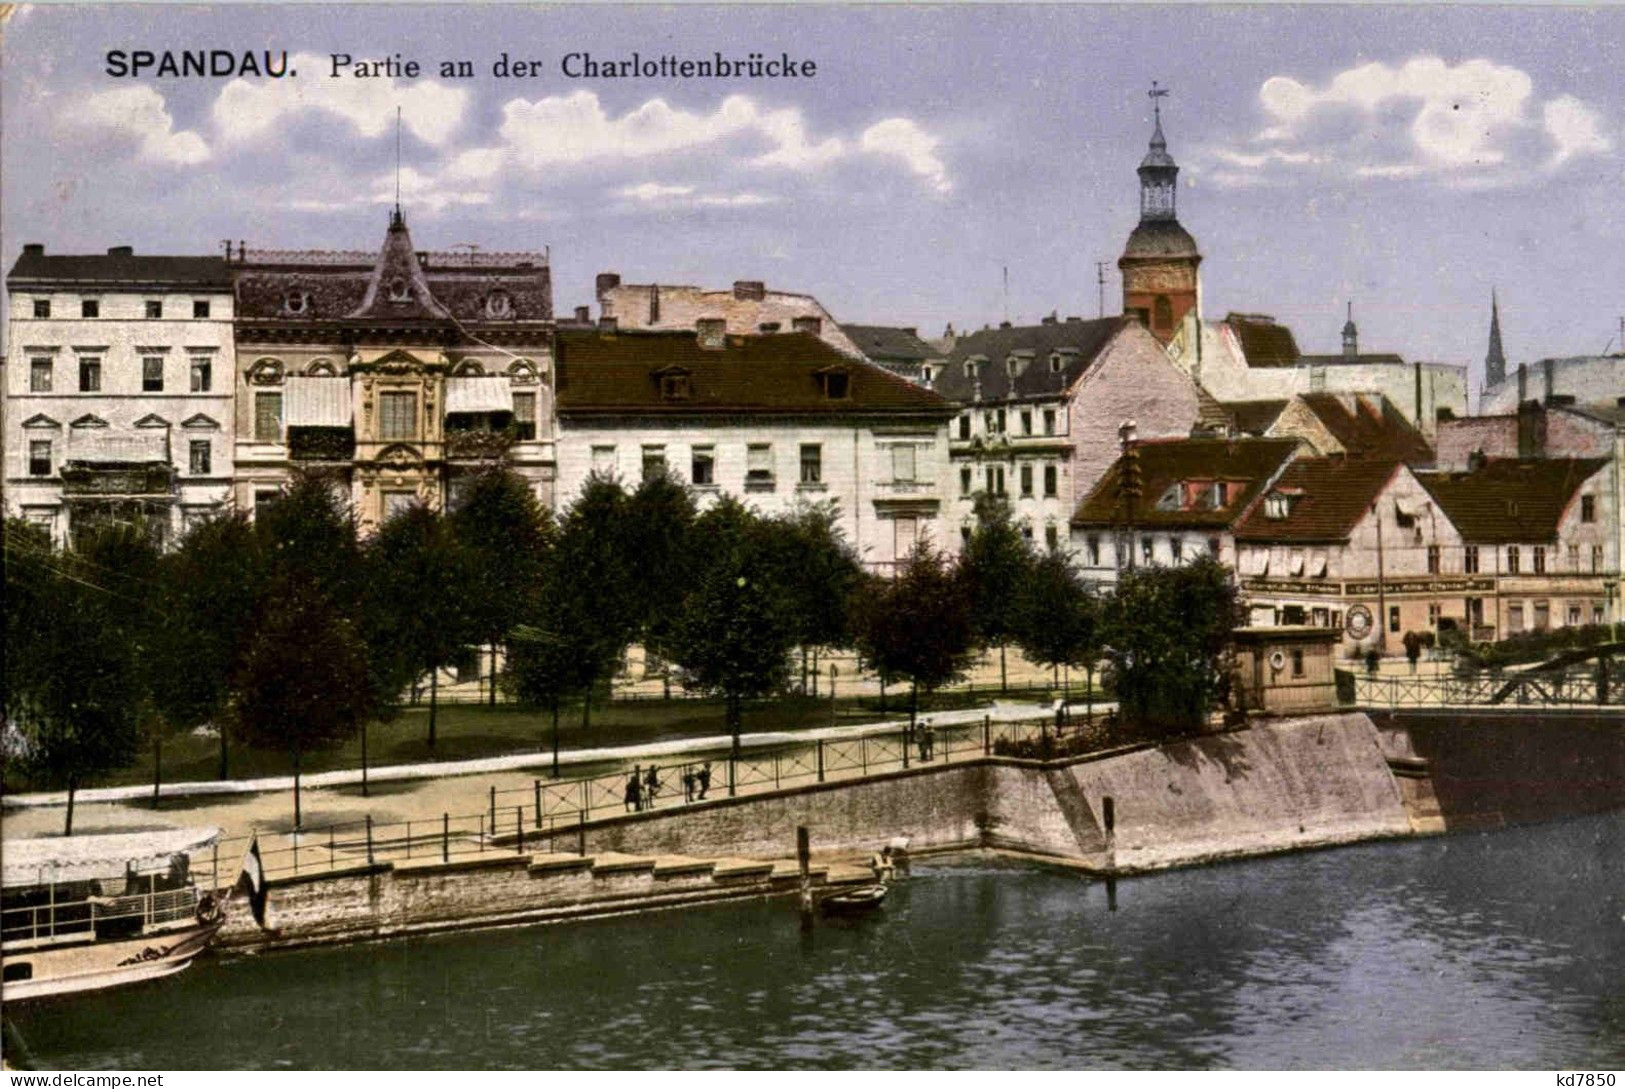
1472,123
902,138
140,114
248,110
655,193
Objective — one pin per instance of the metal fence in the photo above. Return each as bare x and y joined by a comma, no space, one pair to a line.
552,815
1574,688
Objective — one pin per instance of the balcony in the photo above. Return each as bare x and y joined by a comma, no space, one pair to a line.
478,445
321,444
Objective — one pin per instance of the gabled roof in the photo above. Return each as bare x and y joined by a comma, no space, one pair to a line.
397,287
1167,463
1510,500
39,269
1368,425
1078,344
887,342
1329,497
152,419
1253,417
603,373
1264,342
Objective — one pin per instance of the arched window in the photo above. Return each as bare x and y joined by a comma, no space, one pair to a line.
321,368
1162,313
469,368
398,291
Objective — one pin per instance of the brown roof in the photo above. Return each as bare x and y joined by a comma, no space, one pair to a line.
1509,500
1253,417
120,266
1073,344
1370,426
891,342
1247,465
1264,342
1330,496
603,373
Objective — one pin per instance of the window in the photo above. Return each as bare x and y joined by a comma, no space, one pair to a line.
524,416
90,374
1213,546
90,308
39,457
397,414
905,535
1052,478
1540,559
1276,506
398,290
759,464
675,386
965,481
1052,538
995,479
603,460
1433,559
396,502
702,466
202,375
1148,550
1596,558
152,374
1176,550
1393,618
1026,421
964,427
42,308
836,385
1162,313
1433,615
265,499
1513,561
1026,532
1049,421
1543,615
268,417
654,462
295,302
1574,614
1596,612
1091,549
1469,559
1297,661
812,464
1515,617
1026,479
39,375
155,308
999,415
499,304
964,534
1574,557
200,308
1588,508
200,450
902,462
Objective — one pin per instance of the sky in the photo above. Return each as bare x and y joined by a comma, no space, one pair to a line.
1407,159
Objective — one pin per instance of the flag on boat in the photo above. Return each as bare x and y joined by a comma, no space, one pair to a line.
252,881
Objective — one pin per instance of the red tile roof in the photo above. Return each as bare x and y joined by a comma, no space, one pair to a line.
1510,500
1371,428
1246,465
605,373
1330,496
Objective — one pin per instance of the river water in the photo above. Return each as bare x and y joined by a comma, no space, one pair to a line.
1502,949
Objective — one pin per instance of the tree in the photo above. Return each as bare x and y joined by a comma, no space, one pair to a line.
654,543
72,684
1057,619
918,626
596,591
996,562
732,634
306,682
421,579
550,660
507,534
1170,634
818,572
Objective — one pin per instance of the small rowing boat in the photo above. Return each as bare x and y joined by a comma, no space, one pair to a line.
854,901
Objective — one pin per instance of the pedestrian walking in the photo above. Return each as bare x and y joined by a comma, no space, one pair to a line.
688,783
930,741
704,779
651,786
634,792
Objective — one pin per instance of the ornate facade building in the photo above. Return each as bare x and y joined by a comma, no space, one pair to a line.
403,372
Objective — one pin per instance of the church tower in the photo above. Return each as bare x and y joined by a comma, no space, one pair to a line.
1159,264
1495,362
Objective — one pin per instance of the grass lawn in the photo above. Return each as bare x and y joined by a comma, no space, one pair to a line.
468,731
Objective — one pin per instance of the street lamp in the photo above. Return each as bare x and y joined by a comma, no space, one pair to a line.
1128,486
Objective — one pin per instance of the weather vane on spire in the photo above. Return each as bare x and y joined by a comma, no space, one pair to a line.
397,161
1156,93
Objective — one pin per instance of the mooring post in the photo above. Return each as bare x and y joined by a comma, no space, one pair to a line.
1108,817
987,735
369,839
731,763
519,827
445,837
820,760
538,786
804,863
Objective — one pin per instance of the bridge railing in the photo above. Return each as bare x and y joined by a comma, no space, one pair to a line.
1570,688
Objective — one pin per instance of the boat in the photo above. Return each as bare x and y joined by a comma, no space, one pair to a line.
90,912
853,901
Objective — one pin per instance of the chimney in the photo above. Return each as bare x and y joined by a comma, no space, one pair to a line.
654,304
814,325
1051,318
1476,461
1531,429
750,289
1550,366
583,315
1004,325
608,325
33,249
1523,383
605,283
121,251
712,332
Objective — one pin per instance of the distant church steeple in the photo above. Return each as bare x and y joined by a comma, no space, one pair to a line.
1351,336
1495,362
1159,263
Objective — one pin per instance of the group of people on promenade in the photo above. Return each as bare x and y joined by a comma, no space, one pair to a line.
643,787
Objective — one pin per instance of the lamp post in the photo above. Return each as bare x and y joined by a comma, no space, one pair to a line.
1128,487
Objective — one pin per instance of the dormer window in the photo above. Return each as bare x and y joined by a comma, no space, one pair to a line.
1055,363
499,304
712,332
297,302
973,367
836,382
675,384
1277,506
1016,363
927,374
768,327
398,290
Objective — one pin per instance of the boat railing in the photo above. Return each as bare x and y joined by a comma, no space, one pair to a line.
67,920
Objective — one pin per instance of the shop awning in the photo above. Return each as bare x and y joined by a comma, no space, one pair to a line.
104,447
1317,565
479,394
317,402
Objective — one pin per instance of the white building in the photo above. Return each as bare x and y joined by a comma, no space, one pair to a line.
119,392
772,420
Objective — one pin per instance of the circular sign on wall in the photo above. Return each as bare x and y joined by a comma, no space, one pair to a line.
1277,661
1358,622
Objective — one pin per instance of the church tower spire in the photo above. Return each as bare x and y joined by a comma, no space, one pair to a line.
1159,264
1495,361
